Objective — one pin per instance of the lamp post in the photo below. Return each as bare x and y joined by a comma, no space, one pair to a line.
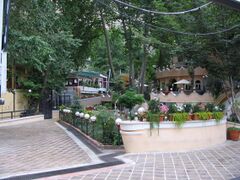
87,116
93,120
81,115
14,101
29,101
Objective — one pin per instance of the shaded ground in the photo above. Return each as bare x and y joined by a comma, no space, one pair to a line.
38,147
221,162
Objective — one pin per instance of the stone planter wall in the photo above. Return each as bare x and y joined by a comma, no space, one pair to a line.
138,137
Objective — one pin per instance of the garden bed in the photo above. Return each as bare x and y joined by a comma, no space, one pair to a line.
166,137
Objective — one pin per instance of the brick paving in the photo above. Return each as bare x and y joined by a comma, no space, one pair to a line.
221,162
37,147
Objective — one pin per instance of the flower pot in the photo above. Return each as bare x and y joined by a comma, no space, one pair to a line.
161,118
170,117
210,116
233,135
195,116
190,117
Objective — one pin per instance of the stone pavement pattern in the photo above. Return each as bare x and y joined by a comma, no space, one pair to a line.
221,162
37,147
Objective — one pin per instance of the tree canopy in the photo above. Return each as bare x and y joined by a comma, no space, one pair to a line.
50,38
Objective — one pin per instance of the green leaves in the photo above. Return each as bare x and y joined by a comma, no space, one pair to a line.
130,99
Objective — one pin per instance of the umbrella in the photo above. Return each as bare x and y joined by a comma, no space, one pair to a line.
183,81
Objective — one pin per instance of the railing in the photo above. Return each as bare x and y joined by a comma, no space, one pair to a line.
105,132
13,113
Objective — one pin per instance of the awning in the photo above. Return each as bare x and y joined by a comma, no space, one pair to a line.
183,81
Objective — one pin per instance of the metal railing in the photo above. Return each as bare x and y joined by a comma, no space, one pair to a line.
12,113
105,132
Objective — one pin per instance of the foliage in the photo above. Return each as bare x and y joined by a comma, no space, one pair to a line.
233,118
76,106
118,85
187,108
204,115
130,99
179,118
153,106
153,117
209,107
40,42
218,115
172,108
233,129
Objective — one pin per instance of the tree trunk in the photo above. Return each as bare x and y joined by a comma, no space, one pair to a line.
128,38
45,105
144,64
107,44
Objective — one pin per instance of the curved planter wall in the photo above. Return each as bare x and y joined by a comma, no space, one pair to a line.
137,136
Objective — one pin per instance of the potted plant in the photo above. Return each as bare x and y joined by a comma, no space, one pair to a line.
233,133
180,118
153,118
199,107
188,109
164,110
217,116
204,115
172,109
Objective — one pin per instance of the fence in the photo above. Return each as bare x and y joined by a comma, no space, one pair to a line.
105,132
12,114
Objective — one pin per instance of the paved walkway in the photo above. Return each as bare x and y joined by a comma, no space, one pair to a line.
38,147
221,162
46,146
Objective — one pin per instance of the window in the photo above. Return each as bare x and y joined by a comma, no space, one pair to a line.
198,85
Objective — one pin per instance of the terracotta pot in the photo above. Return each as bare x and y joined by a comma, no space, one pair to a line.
195,117
170,117
161,118
233,135
190,117
210,116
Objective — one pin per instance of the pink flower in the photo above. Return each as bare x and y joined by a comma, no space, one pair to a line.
164,109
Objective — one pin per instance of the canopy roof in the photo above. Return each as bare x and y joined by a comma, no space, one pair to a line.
87,74
183,81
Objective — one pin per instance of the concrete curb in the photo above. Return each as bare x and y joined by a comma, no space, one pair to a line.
23,120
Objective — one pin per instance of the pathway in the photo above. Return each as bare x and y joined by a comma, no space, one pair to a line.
38,147
221,162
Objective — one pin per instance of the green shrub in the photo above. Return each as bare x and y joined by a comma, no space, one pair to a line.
130,99
209,107
203,115
187,108
196,108
218,115
180,118
172,108
233,129
154,106
153,117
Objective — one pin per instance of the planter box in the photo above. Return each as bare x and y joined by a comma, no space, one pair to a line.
166,137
